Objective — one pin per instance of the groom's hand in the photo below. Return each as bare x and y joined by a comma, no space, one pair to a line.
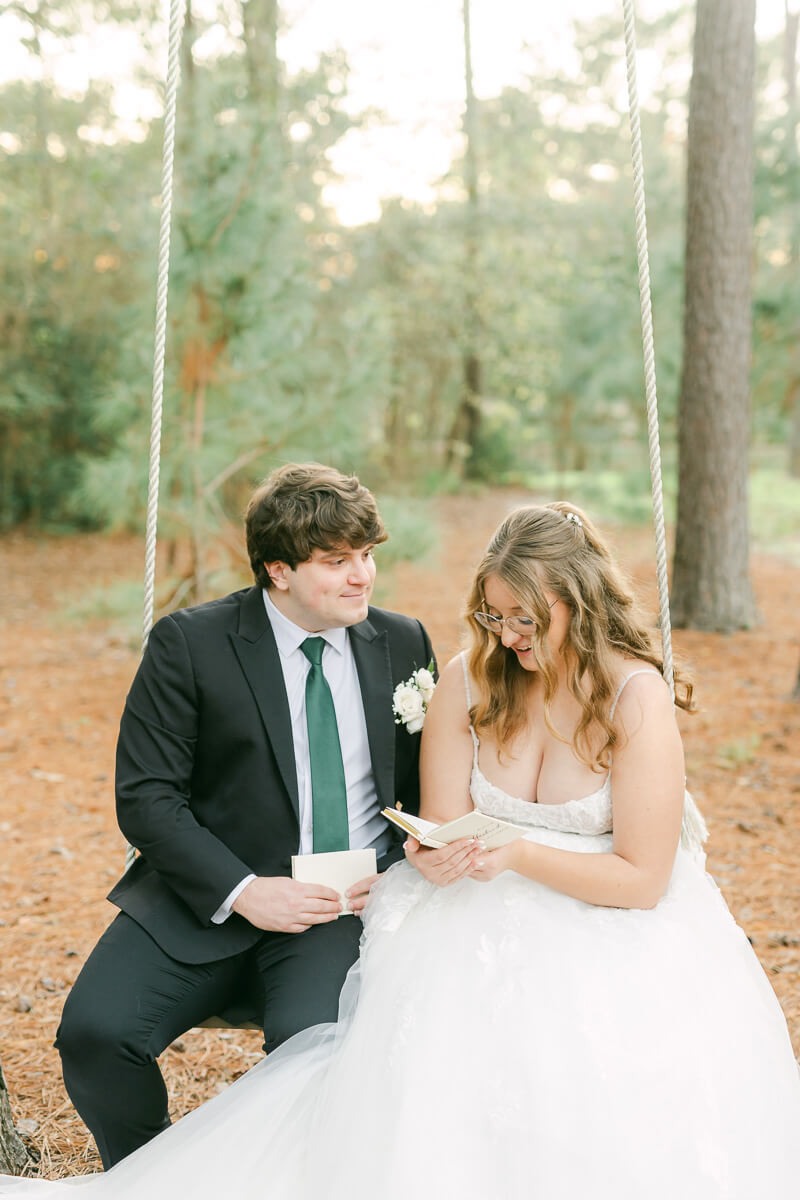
286,905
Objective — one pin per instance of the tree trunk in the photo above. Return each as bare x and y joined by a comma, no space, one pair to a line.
13,1155
42,124
188,86
790,79
791,30
466,428
711,588
260,29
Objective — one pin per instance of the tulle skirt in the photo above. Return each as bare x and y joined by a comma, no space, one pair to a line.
502,1041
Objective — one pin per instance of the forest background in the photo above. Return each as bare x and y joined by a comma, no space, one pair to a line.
292,335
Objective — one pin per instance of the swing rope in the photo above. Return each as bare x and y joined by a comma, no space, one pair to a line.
177,12
693,831
177,9
647,345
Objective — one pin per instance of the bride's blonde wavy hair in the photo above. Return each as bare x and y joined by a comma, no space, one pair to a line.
540,548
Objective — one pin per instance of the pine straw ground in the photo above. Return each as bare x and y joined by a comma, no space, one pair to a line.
61,691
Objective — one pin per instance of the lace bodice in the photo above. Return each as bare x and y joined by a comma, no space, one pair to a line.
585,814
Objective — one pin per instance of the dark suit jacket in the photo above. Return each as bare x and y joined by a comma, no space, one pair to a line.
206,779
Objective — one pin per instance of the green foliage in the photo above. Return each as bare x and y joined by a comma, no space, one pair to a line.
413,538
624,497
775,510
118,604
615,496
68,281
261,365
411,534
738,753
291,336
559,340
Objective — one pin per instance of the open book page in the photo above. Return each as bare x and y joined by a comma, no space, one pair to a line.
339,870
490,831
409,824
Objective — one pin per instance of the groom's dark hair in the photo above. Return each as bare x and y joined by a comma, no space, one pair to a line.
302,507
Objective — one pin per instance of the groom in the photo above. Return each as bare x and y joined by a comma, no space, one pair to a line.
257,726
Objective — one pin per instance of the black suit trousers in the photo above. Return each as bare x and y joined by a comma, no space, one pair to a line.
132,999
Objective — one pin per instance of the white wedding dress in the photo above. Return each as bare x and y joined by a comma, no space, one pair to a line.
503,1041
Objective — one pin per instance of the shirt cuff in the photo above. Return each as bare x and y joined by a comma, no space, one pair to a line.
224,910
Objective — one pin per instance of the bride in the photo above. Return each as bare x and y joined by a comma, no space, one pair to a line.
575,1013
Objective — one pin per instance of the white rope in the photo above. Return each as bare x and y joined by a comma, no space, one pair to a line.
177,9
177,13
694,830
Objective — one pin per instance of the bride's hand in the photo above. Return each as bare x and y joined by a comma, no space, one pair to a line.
444,866
358,894
491,863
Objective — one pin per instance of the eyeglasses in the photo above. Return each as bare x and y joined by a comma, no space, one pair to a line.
520,625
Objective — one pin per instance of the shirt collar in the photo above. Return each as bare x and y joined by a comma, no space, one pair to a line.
290,637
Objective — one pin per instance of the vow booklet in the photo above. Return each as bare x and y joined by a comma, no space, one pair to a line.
490,831
339,870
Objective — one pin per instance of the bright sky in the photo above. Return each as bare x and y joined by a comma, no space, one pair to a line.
406,59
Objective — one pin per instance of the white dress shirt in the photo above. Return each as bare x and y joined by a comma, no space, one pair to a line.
367,826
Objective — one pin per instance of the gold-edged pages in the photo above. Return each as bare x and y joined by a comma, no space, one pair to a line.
491,832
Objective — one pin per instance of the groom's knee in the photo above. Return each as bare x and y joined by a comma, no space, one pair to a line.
110,1073
104,1015
90,1032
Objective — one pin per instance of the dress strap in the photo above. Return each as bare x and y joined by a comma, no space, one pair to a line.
639,671
468,690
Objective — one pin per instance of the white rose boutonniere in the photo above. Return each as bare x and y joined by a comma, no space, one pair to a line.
411,699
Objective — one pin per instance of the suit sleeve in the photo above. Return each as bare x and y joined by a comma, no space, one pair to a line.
155,760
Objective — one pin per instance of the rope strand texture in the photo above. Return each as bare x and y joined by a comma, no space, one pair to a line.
694,830
177,14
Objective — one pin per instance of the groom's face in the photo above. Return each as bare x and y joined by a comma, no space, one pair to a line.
330,590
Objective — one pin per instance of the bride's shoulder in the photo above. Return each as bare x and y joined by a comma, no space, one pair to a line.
453,687
455,667
447,717
454,678
641,692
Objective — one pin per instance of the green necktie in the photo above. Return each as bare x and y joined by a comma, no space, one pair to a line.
328,788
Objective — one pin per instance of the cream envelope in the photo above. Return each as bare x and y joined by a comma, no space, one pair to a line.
339,870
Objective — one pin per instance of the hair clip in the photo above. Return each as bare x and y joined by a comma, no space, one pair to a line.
574,518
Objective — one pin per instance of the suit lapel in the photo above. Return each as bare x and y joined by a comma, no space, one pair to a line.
258,657
374,667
